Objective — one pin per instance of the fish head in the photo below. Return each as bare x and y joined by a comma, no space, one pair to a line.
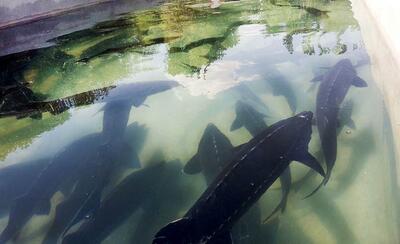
295,129
303,122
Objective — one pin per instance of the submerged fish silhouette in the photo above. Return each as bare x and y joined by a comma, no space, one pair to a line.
122,202
256,165
331,92
213,152
90,161
253,121
16,179
281,87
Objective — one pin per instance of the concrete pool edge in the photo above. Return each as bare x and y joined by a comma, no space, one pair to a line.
376,20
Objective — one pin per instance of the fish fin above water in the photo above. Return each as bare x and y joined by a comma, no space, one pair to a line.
358,82
310,161
317,78
351,124
43,207
193,166
225,238
237,123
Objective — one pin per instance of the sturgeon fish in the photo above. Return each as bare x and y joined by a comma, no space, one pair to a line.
255,167
331,93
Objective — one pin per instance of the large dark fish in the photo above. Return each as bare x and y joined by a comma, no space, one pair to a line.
253,121
121,203
255,167
214,152
134,93
331,92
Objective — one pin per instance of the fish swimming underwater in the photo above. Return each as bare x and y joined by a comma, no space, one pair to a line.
214,152
253,121
281,87
255,167
16,179
331,92
95,171
248,96
135,93
90,159
117,206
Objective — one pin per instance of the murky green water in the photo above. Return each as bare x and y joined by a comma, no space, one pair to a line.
263,53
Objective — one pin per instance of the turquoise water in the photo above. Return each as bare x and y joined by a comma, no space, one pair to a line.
263,53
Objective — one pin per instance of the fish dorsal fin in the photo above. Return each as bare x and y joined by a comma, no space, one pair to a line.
317,78
237,123
358,82
193,166
309,160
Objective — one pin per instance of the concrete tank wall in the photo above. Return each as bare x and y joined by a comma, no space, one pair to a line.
15,11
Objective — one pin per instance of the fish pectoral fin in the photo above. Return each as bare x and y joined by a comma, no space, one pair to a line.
310,161
317,78
351,124
223,238
286,180
237,123
358,82
43,207
193,166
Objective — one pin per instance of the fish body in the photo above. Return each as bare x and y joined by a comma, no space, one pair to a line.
256,165
123,201
331,92
214,152
249,118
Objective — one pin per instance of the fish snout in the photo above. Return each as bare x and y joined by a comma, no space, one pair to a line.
307,115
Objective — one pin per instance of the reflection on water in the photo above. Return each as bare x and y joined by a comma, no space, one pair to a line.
117,130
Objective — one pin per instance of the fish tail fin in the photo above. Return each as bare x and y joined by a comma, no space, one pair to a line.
323,183
177,231
281,206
